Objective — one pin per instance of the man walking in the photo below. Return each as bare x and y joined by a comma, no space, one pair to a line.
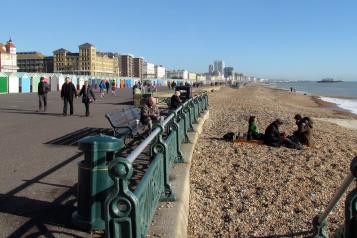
42,91
67,93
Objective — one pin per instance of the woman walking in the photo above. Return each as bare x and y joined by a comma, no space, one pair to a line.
88,96
102,88
114,86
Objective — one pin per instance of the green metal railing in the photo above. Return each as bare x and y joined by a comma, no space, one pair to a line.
129,213
349,230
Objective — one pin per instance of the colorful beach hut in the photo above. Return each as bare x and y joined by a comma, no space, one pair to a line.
13,82
25,82
4,83
81,80
35,79
56,82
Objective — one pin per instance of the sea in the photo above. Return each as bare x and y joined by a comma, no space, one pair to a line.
343,94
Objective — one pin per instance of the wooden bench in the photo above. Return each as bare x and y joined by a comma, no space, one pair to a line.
126,122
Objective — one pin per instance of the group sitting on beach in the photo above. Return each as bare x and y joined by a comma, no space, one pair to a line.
273,137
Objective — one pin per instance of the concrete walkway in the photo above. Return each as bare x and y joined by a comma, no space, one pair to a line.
38,180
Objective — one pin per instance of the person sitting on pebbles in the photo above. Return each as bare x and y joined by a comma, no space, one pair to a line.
273,137
303,134
253,132
305,131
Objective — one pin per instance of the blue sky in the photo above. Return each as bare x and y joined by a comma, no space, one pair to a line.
301,39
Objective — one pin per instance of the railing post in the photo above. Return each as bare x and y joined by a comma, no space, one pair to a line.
174,127
320,228
320,221
351,207
160,147
206,96
197,109
184,113
195,115
121,204
192,113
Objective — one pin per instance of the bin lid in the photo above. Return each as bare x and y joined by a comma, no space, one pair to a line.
100,143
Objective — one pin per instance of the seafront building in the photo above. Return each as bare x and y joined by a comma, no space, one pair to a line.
87,62
126,65
200,78
138,64
8,58
177,74
149,70
228,73
210,69
192,76
218,67
34,62
160,72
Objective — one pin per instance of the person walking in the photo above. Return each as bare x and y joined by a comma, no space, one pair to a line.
102,88
114,87
42,91
68,91
88,96
107,85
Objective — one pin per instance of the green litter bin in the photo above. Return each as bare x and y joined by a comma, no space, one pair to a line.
94,182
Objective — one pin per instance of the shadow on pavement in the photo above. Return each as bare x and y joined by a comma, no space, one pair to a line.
119,103
73,137
30,112
57,212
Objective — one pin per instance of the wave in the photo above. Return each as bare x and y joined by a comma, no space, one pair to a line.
347,104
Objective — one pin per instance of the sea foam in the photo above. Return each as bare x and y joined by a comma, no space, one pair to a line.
347,104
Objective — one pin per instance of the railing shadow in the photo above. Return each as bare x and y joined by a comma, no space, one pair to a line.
73,137
57,212
30,112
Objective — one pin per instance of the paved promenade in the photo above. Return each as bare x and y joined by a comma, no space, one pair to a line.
38,180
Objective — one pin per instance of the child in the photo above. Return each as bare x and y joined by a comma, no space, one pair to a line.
253,132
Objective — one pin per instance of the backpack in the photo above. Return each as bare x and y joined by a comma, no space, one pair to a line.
229,136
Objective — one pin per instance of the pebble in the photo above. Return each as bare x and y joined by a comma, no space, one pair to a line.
246,190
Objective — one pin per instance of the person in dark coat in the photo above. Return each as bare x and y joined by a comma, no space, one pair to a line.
272,135
305,131
68,91
175,100
88,96
107,85
42,91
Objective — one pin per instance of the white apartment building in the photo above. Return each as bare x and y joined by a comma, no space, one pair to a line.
160,72
178,74
192,76
148,70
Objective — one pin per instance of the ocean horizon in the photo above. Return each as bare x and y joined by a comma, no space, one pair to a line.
343,94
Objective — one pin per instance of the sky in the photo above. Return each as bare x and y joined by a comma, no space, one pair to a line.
276,39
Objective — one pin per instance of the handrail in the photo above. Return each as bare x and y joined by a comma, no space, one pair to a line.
129,213
138,150
320,221
346,183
